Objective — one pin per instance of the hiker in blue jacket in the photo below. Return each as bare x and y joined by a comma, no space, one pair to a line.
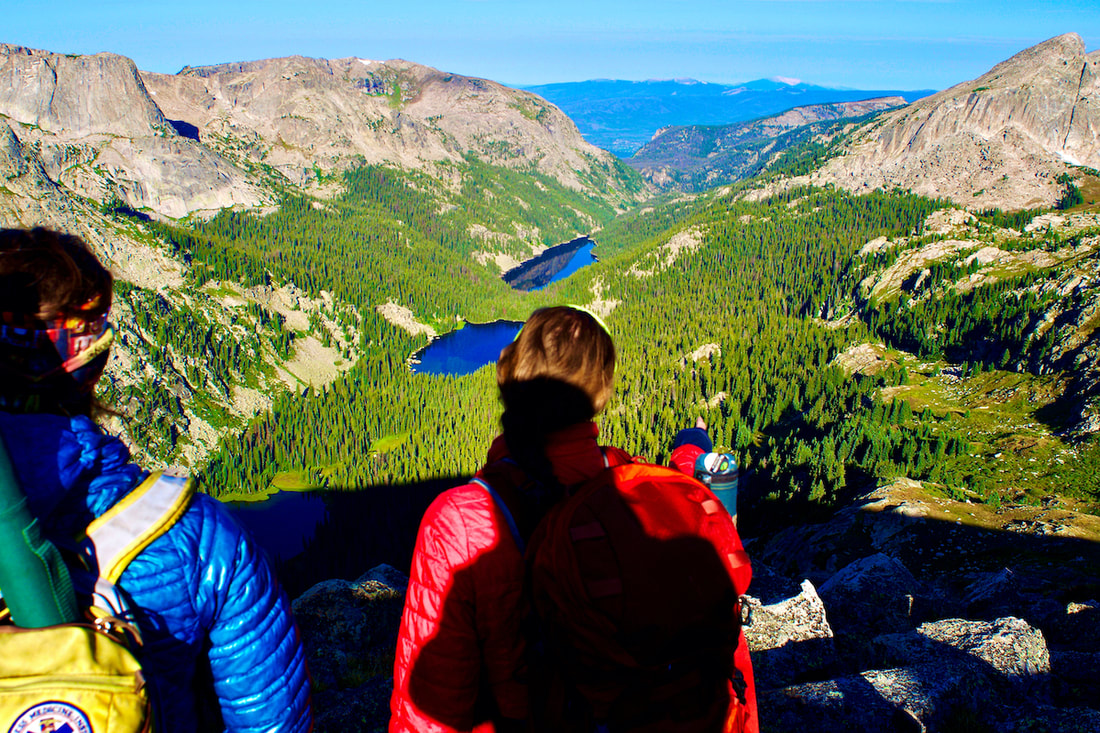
219,638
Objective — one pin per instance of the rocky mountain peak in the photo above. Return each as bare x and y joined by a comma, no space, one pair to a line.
999,140
76,95
1064,48
297,114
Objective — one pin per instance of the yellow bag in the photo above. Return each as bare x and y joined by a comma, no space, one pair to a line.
72,678
84,677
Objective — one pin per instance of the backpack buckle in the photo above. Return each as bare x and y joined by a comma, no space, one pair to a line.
118,629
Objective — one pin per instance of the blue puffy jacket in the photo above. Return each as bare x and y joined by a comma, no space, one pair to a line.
209,608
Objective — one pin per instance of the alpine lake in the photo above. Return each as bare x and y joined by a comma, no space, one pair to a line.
473,345
314,535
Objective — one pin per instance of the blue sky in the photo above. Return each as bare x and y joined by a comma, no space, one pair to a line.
865,44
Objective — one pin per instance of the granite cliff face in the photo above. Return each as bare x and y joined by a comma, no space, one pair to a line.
87,126
696,157
76,95
999,140
294,114
94,128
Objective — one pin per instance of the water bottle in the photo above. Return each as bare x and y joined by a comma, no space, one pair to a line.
718,471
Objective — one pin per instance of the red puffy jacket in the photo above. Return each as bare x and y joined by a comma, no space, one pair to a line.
460,651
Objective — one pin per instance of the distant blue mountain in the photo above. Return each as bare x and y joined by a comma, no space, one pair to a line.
621,116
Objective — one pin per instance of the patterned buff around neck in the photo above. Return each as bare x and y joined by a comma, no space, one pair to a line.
37,351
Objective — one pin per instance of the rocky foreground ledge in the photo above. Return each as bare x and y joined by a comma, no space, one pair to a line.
903,612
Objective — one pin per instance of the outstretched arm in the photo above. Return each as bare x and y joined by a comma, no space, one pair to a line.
689,444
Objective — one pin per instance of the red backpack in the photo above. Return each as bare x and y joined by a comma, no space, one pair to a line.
635,582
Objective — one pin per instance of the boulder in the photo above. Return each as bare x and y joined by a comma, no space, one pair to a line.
791,640
1008,652
868,597
848,703
349,631
932,697
993,592
1075,627
1012,593
1009,646
925,698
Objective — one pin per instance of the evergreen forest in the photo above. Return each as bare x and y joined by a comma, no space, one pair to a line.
742,326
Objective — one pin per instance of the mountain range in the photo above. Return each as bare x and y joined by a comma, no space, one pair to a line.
697,157
621,116
220,136
1008,139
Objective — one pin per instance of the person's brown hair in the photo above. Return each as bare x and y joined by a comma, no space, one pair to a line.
565,344
46,276
558,372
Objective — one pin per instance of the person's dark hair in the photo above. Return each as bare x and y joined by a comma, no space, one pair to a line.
47,277
558,372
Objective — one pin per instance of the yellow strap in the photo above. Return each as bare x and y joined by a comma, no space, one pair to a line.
140,517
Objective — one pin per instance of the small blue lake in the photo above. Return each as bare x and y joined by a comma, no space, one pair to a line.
467,349
556,263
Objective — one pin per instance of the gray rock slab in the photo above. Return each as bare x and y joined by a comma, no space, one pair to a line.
924,698
1008,645
790,641
1008,652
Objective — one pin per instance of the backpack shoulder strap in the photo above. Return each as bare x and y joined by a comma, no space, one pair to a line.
512,526
613,457
132,524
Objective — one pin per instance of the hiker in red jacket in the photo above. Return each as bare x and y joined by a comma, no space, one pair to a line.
462,661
